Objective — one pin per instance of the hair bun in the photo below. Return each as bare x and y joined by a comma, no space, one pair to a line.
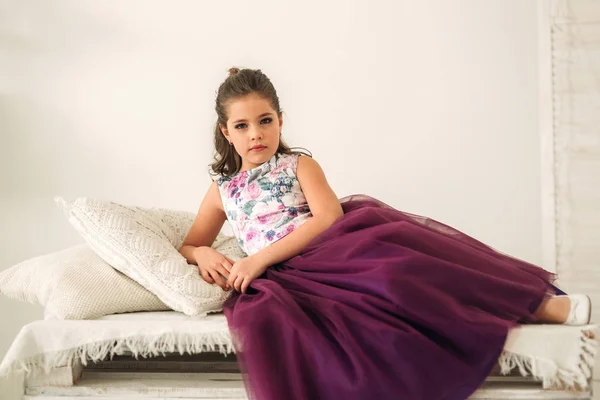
233,71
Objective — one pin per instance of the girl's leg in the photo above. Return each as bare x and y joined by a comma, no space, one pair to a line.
573,310
554,310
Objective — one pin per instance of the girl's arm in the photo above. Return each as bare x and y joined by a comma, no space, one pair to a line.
206,226
196,248
325,208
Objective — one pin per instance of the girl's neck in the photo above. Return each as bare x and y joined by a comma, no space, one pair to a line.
247,166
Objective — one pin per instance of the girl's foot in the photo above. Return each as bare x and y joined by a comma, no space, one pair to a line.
581,309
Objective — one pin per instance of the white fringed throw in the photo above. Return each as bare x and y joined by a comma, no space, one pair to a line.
559,356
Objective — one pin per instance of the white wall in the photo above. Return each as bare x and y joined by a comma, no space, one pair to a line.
576,160
428,106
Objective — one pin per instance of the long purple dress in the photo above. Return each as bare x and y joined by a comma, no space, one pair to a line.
382,305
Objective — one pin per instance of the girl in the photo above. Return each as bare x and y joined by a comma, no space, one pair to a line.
350,298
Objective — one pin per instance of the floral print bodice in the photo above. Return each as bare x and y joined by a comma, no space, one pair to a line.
265,203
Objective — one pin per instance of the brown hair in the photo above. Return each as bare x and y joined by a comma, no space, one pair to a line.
240,82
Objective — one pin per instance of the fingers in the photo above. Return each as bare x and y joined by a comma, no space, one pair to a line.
225,268
217,278
238,283
224,275
235,280
231,278
231,262
239,278
206,276
245,284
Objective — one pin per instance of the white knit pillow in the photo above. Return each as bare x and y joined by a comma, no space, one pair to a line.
142,243
76,284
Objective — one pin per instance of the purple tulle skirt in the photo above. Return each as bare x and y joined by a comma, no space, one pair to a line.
382,305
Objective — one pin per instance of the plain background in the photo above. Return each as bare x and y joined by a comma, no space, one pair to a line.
429,106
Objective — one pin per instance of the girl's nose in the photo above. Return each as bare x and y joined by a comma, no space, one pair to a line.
256,134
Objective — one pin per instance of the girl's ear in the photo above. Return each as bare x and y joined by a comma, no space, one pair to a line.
280,120
225,132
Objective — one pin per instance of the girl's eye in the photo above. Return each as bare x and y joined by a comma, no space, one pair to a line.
262,121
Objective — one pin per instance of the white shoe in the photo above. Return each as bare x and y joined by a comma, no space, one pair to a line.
581,310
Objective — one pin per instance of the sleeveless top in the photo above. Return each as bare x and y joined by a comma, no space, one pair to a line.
265,203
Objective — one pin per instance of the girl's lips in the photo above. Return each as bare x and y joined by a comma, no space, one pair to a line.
258,148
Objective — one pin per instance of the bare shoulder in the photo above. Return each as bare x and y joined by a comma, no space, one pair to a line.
307,161
309,167
213,197
321,198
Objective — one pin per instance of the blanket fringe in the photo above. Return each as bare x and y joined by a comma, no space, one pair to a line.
547,371
143,346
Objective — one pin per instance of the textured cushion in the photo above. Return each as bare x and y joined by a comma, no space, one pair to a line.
142,243
76,284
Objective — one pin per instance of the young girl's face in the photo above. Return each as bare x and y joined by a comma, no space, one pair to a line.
254,128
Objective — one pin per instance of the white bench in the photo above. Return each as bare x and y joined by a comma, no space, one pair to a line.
213,375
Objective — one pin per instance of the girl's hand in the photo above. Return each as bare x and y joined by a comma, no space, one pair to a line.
245,271
212,265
